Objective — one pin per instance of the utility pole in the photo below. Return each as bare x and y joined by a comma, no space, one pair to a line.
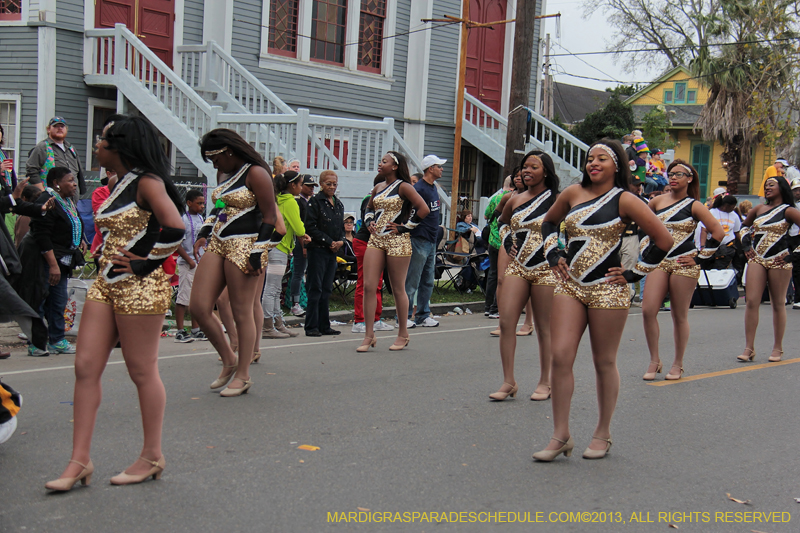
546,85
462,76
520,82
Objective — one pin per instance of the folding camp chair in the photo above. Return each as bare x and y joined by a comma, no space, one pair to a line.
346,277
448,263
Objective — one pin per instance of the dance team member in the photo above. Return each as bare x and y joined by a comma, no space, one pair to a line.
680,211
767,245
142,227
592,287
240,227
528,277
387,219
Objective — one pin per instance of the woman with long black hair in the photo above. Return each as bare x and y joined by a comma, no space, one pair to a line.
592,287
528,277
239,226
142,226
390,243
767,245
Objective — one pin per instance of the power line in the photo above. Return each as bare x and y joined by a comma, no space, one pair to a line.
584,61
686,47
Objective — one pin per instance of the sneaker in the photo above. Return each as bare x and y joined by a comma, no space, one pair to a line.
360,327
33,351
183,336
297,310
796,305
636,304
199,336
380,325
429,323
62,346
486,313
410,324
494,315
22,336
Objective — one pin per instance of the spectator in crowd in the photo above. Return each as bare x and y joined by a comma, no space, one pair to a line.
630,151
277,165
415,177
99,196
8,178
466,226
193,220
360,240
775,170
491,215
796,255
293,165
723,211
629,253
300,253
420,277
349,228
325,225
642,153
23,223
55,151
287,186
744,208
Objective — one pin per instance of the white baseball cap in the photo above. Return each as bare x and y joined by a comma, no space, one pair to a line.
429,160
719,190
782,162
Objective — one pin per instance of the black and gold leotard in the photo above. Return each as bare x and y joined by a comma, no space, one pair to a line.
681,224
525,230
770,238
235,229
124,224
388,205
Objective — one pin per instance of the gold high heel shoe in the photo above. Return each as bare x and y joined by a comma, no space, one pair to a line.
66,483
256,357
744,358
776,359
597,454
366,344
541,396
495,333
230,392
525,331
548,455
128,479
650,376
398,347
672,377
223,380
500,395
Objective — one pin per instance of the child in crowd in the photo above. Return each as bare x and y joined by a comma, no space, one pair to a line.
192,220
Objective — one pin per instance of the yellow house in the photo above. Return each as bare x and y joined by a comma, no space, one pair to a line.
685,96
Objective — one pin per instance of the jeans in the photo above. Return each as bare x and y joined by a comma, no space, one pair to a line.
650,185
276,268
360,248
53,308
298,271
319,285
420,277
490,304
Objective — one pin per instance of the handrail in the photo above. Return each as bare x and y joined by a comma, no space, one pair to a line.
468,98
561,131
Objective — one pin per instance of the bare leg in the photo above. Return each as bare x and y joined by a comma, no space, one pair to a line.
397,268
542,296
258,312
242,289
510,308
226,316
139,337
756,281
605,332
503,259
528,324
778,283
373,269
211,278
659,282
681,290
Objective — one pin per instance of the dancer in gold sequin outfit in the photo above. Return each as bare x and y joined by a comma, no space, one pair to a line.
528,277
141,226
592,288
680,211
389,220
240,228
765,236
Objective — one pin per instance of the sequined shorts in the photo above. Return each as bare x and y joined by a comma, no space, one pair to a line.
394,245
537,276
599,296
134,295
236,250
672,267
771,264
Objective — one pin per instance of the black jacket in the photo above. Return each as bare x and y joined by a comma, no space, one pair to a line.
324,222
10,263
54,232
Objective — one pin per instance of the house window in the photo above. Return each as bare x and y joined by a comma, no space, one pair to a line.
283,27
10,9
667,97
691,97
328,25
10,120
370,45
680,93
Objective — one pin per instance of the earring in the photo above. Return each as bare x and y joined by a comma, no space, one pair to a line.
58,188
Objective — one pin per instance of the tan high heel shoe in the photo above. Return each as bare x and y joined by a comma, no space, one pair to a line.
541,396
597,454
397,347
672,377
223,380
525,331
775,359
129,479
548,455
650,376
256,357
230,392
499,396
744,358
366,344
65,484
495,333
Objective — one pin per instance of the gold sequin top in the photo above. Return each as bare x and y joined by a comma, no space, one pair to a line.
123,224
526,230
769,233
241,217
594,238
681,224
388,205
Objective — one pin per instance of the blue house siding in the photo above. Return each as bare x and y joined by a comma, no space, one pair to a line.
19,47
443,69
69,14
439,140
193,22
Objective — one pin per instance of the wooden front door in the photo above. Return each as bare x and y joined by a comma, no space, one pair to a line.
151,21
485,52
701,161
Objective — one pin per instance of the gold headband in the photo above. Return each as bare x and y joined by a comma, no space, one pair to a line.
396,162
209,153
607,149
771,179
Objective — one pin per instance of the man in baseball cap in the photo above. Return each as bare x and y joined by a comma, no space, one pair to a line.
299,253
52,152
773,171
431,160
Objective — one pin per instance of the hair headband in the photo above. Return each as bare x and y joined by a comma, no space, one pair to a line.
771,179
209,153
689,170
396,162
607,149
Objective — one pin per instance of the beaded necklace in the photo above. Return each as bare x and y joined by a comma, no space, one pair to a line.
72,214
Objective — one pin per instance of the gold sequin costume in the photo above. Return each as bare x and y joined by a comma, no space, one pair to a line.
124,224
525,227
681,224
594,238
769,232
388,205
235,228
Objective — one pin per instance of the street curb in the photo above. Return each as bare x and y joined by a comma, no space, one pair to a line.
389,312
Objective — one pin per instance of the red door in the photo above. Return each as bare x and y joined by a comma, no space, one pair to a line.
150,20
485,52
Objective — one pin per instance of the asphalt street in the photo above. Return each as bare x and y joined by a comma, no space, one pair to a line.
404,435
